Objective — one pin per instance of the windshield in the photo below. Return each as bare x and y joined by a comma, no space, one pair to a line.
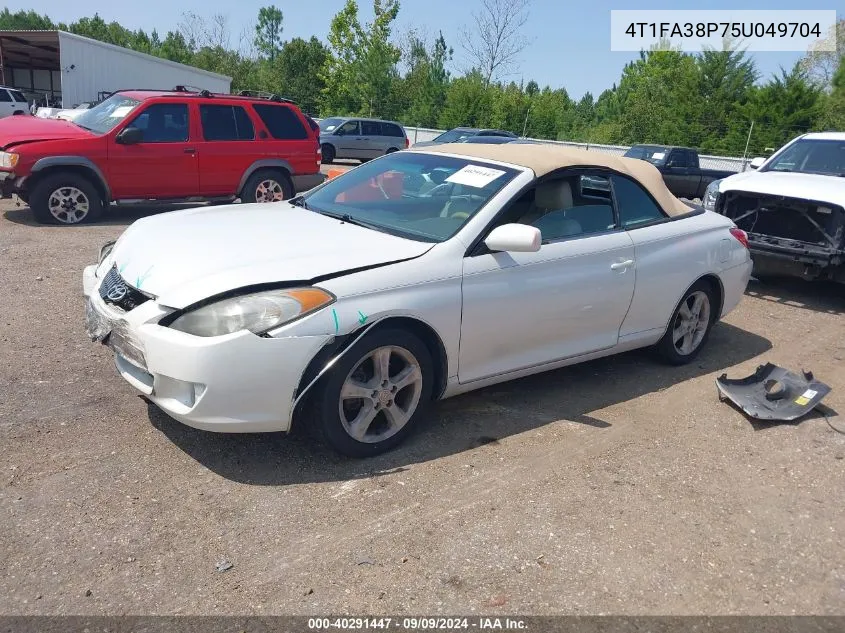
453,136
425,197
811,156
327,125
655,154
102,118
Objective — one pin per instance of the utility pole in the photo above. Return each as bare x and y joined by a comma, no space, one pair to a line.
747,142
525,127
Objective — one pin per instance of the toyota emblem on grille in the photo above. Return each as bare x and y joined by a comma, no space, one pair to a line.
117,292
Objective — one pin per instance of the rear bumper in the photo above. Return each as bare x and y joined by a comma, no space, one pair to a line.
304,182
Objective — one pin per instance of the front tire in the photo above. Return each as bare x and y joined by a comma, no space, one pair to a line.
267,185
376,394
66,198
690,325
328,153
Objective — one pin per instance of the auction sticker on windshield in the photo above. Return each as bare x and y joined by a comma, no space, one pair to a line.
475,176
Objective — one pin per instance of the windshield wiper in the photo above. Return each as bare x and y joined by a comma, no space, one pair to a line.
299,201
345,217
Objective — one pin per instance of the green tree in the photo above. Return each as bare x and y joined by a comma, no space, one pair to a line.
339,69
833,105
782,109
469,101
427,80
297,72
268,32
24,21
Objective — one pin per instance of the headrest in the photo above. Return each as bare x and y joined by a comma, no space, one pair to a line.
554,195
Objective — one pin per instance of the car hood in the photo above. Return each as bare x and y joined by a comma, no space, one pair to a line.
15,130
814,187
183,257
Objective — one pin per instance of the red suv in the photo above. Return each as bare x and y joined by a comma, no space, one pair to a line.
175,145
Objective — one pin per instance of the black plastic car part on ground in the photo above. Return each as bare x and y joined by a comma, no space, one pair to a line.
773,393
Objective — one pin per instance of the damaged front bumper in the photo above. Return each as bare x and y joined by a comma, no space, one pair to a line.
237,383
789,236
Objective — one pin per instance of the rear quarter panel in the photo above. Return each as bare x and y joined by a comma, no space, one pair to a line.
670,257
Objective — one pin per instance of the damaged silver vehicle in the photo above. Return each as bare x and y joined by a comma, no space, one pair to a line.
792,206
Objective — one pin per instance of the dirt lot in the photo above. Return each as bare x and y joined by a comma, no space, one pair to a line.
618,486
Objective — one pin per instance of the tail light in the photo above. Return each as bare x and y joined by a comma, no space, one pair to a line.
741,236
407,143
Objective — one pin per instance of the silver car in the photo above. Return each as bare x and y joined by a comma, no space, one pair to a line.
352,137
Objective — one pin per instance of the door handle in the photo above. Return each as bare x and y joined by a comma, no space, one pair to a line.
190,150
620,265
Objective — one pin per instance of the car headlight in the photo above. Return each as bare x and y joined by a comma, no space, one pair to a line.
105,249
710,195
256,312
9,160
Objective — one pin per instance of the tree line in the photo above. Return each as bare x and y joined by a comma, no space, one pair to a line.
713,100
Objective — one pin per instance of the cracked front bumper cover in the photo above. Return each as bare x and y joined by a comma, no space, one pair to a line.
773,393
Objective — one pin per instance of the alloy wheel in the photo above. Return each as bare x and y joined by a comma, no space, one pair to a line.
691,323
380,394
269,191
68,205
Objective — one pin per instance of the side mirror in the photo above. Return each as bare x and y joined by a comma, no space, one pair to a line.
339,132
130,136
757,163
516,238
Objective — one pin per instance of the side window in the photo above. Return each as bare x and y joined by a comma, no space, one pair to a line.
5,97
391,129
226,123
282,122
350,128
18,96
370,128
634,204
163,123
568,207
678,158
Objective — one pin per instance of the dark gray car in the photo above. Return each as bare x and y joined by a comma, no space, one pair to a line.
464,135
359,138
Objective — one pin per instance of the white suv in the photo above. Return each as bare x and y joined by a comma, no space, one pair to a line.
12,101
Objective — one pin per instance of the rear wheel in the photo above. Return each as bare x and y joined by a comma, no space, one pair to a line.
690,325
390,150
267,185
66,198
375,394
328,153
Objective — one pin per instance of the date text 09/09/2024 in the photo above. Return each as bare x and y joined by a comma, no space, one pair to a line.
723,29
418,624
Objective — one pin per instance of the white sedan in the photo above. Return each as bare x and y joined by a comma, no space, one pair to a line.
414,277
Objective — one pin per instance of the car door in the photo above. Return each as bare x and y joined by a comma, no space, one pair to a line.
373,143
348,140
164,163
226,148
570,298
676,172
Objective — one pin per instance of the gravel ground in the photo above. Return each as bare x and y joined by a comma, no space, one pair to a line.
618,486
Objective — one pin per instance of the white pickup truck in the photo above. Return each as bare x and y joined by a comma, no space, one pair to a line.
792,206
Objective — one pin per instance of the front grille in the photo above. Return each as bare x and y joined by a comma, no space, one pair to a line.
115,291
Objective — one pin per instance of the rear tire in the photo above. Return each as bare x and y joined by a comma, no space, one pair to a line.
390,150
376,394
690,325
328,153
66,198
267,185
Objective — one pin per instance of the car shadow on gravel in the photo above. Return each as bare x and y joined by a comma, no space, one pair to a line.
465,422
115,216
819,296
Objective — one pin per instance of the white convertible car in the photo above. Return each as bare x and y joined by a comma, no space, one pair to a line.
414,277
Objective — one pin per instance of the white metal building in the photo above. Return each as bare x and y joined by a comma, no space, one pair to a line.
76,69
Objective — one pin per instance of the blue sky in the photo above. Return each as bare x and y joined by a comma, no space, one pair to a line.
570,41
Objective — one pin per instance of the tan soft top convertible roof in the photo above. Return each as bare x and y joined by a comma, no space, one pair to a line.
543,158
